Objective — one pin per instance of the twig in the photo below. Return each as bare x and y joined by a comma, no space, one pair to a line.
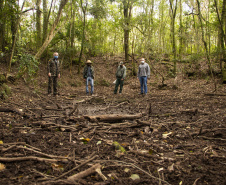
79,166
131,164
46,155
34,158
91,170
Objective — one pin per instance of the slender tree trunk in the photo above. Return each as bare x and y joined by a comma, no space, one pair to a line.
14,29
38,24
2,27
83,33
51,33
181,31
72,34
45,21
205,44
222,38
126,29
173,10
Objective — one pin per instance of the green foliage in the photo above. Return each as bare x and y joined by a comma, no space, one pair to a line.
5,91
2,78
28,66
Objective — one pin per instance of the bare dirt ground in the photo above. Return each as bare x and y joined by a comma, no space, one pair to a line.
171,136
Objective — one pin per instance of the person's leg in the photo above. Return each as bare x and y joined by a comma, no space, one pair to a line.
121,85
116,86
50,85
87,83
141,85
55,85
92,85
145,85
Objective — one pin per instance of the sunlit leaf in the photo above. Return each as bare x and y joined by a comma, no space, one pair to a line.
2,167
126,170
99,142
118,147
134,177
166,135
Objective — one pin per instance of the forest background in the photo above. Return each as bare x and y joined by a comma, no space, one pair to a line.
171,30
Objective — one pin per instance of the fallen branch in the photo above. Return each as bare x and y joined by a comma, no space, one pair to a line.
133,165
79,166
3,109
33,158
89,171
21,143
113,117
46,155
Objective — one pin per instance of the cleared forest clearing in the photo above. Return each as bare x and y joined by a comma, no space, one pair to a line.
171,136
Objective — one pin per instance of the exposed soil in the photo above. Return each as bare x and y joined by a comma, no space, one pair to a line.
179,139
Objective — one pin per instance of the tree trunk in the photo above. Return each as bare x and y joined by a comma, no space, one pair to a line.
52,31
205,44
38,24
181,31
83,34
45,21
222,39
112,117
173,11
2,27
127,7
14,28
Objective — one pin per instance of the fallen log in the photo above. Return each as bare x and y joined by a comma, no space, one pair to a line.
17,111
112,117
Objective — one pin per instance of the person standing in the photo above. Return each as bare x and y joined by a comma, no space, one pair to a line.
88,75
120,77
53,69
143,74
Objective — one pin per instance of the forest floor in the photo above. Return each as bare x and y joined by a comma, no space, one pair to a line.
170,136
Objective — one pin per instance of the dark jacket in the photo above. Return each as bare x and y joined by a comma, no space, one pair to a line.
121,72
53,67
86,70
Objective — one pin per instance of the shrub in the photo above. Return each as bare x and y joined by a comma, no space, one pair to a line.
28,66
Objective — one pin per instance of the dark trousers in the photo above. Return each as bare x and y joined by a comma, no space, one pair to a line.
52,84
120,82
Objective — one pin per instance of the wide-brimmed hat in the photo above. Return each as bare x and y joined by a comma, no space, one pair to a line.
142,60
121,63
88,62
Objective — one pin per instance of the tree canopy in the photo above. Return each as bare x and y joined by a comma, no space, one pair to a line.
76,28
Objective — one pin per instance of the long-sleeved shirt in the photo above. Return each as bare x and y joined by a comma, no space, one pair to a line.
121,72
143,70
53,67
88,71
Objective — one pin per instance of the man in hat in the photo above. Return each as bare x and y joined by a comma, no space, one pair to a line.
120,77
53,69
88,75
143,74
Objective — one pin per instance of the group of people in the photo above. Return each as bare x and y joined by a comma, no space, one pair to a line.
53,69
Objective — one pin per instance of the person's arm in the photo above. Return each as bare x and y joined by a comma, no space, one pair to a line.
124,73
58,68
138,73
48,69
93,72
148,71
84,72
